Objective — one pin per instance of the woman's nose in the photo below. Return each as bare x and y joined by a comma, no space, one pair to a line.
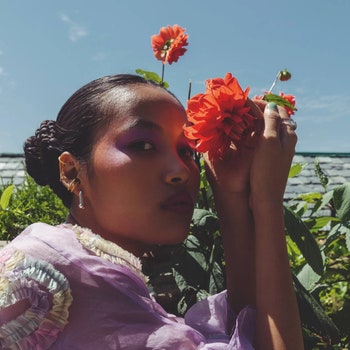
177,171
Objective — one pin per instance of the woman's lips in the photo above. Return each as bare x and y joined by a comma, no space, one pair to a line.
180,202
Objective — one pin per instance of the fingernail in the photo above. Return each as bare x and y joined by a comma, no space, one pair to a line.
273,106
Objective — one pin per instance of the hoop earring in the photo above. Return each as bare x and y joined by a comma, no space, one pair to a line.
81,200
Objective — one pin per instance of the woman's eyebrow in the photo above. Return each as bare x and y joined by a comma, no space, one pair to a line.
144,124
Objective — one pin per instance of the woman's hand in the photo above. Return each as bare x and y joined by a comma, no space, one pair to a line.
272,157
232,172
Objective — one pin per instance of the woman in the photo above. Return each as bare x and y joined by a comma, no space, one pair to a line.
118,158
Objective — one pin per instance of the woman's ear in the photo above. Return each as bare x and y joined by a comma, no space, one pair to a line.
69,168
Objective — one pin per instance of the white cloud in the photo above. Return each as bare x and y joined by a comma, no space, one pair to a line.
75,30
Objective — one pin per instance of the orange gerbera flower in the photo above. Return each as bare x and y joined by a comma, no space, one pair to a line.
219,117
169,44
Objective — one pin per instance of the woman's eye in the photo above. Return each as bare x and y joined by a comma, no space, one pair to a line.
142,146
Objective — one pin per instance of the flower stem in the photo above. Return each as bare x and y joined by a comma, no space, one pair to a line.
161,82
189,89
274,83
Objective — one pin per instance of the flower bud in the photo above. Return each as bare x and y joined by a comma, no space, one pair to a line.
284,75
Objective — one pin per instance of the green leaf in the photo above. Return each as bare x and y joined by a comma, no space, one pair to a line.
279,101
6,196
217,279
320,222
347,239
310,197
313,316
337,231
305,241
326,198
299,208
308,278
196,252
333,234
206,220
296,169
152,76
341,198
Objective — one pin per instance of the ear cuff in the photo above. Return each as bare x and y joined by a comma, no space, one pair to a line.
72,184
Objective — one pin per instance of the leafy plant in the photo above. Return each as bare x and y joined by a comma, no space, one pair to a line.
25,204
326,216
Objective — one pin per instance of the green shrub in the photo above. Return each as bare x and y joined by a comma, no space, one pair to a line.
326,282
25,204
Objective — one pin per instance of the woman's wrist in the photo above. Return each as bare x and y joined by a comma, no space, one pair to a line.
267,208
232,206
222,195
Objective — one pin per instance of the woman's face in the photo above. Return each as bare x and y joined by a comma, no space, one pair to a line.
142,181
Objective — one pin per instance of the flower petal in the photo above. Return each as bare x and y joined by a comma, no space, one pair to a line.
219,117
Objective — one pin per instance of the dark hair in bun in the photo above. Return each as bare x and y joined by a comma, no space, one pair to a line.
85,113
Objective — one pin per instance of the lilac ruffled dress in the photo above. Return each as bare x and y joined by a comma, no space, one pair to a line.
65,287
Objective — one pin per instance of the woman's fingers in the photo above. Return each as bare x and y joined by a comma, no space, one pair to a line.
290,123
279,124
256,109
272,120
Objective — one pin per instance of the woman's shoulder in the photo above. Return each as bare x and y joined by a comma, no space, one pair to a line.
45,241
43,232
68,244
34,297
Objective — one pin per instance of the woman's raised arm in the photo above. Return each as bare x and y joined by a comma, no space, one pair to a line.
248,186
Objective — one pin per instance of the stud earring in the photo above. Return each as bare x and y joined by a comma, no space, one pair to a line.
81,200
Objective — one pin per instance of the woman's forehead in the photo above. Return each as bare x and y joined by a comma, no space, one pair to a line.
145,105
141,96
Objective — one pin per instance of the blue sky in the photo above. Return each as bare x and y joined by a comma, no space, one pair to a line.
48,49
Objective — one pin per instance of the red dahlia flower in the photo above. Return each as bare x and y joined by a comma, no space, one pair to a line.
219,117
291,100
169,44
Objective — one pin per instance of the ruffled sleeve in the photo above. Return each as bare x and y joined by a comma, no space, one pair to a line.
214,319
34,301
